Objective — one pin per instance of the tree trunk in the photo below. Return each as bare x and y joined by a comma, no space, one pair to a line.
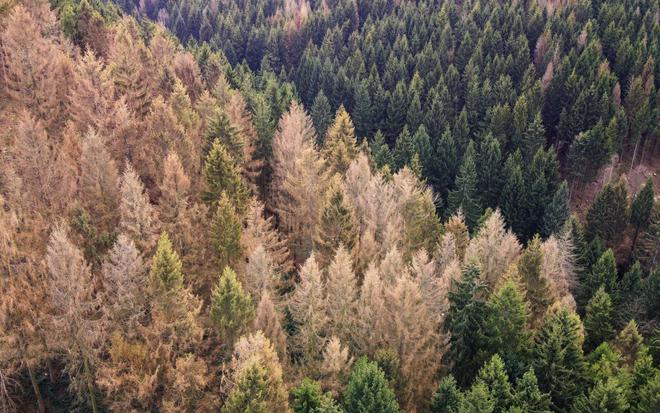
35,387
632,162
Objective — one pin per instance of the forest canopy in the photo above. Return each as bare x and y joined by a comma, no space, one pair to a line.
329,206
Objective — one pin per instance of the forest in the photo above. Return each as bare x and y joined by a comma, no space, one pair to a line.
330,206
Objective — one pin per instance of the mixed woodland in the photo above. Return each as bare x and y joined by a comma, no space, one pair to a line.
327,206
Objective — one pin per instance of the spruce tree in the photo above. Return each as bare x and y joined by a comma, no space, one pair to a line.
225,236
493,375
603,273
558,359
221,174
380,152
607,216
489,171
640,210
527,395
250,392
321,116
231,310
309,398
340,145
337,224
464,196
368,391
536,285
444,165
556,212
478,400
598,319
506,326
219,127
464,322
514,195
448,397
404,148
363,115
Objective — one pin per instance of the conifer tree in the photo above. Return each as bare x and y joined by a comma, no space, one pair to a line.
362,110
489,171
537,289
309,398
368,391
380,152
221,174
137,216
640,210
250,393
506,325
494,377
607,216
556,212
268,320
225,234
464,195
340,295
340,145
558,359
444,164
404,148
337,224
321,115
603,273
231,310
605,396
219,127
448,397
528,397
478,400
464,323
598,319
514,194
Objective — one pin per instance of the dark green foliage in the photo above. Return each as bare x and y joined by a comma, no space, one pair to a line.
231,309
478,400
322,115
640,209
527,395
221,174
380,152
219,127
489,161
607,217
494,377
598,319
367,390
556,212
558,359
603,273
309,398
464,322
464,196
448,397
514,196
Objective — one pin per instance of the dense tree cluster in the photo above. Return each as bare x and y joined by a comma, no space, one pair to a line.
327,207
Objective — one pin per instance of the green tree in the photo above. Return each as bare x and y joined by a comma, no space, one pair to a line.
367,390
514,195
556,212
231,309
478,400
448,397
506,326
489,171
222,174
363,114
537,289
250,394
605,396
309,398
640,210
225,237
558,359
219,127
588,153
493,375
607,216
337,224
340,145
528,397
603,273
464,323
464,196
598,319
380,152
321,116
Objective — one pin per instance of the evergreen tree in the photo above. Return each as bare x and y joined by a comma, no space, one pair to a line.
527,395
250,394
603,273
309,398
368,391
444,164
556,212
222,174
231,310
558,359
404,148
478,400
380,152
607,216
494,377
506,326
464,195
220,127
489,171
363,114
640,210
598,319
448,397
225,237
606,396
514,195
536,285
464,323
321,116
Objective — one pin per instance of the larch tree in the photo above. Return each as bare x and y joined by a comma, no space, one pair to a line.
91,97
340,293
458,229
75,323
337,223
340,144
269,321
335,366
260,231
136,215
231,310
307,308
370,310
124,282
259,275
